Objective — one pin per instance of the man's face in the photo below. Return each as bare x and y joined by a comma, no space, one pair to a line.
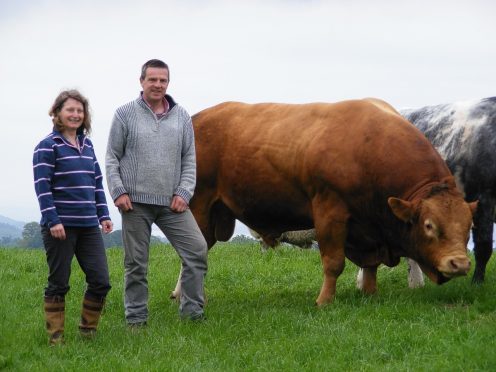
155,83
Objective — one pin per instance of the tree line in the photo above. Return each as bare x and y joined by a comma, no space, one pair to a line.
31,238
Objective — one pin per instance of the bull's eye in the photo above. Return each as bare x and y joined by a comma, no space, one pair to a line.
430,228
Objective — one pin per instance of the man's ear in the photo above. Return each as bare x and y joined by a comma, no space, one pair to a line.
402,209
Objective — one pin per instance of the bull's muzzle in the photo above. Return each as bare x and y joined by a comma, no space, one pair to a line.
452,266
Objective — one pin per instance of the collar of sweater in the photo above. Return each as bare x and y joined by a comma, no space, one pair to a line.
167,97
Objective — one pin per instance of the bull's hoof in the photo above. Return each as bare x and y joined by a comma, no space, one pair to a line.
321,304
478,279
173,296
369,291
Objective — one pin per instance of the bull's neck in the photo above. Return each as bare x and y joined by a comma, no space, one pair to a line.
423,188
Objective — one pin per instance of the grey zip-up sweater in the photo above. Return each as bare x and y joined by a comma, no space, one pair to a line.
148,158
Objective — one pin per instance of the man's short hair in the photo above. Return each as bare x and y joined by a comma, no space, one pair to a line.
153,63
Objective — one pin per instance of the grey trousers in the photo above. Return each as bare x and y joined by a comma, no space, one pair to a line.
185,236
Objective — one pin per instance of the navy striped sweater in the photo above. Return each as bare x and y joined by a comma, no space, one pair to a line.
68,183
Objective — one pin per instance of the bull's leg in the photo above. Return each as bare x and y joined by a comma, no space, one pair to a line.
330,225
359,279
333,267
367,280
176,293
483,235
264,247
415,276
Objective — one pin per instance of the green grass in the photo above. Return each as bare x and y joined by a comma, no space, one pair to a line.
261,316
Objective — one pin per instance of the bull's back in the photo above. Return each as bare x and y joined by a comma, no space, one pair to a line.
344,145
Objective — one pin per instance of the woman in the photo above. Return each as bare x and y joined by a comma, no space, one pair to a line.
68,183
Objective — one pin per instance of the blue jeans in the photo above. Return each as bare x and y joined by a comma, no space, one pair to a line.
185,236
86,243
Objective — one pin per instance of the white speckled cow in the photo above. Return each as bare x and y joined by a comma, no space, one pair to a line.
301,238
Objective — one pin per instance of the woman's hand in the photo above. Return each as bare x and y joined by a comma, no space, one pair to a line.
107,226
58,231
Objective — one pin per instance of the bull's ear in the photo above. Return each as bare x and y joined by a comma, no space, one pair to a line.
402,209
473,207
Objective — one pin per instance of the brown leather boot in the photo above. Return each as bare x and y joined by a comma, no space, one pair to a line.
90,315
54,307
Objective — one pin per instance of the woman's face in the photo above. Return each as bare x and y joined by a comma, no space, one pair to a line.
71,115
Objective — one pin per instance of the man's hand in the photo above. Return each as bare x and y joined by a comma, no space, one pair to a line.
124,203
178,204
58,231
107,226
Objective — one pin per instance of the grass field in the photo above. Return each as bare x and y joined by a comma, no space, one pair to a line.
261,316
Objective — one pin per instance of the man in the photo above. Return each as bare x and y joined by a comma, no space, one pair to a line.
151,174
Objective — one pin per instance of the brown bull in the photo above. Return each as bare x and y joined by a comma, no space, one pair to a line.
372,185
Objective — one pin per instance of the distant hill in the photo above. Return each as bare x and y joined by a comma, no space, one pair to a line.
10,221
10,227
9,230
114,239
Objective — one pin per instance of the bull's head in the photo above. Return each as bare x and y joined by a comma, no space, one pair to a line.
439,231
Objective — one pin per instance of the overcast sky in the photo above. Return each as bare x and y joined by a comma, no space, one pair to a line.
409,53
